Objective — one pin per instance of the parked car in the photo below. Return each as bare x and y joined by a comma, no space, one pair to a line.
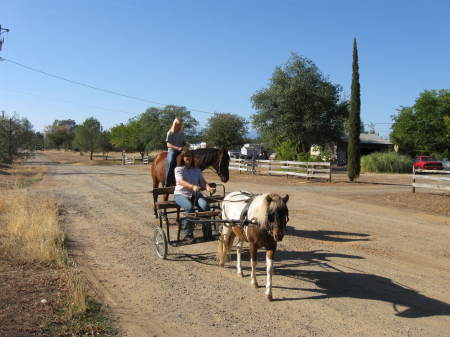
427,163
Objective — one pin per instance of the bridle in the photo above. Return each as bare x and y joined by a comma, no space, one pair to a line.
276,223
218,168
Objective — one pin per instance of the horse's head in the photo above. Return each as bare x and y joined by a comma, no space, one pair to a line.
221,165
277,215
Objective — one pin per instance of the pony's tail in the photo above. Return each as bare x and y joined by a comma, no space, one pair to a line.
225,242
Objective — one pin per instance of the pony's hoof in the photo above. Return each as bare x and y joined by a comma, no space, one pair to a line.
255,285
221,264
269,297
241,274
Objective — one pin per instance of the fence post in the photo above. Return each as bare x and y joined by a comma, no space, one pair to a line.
307,170
329,168
270,166
413,180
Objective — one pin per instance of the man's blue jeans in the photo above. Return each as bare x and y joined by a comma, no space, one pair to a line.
171,163
188,205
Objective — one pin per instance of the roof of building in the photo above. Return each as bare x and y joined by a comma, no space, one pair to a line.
369,138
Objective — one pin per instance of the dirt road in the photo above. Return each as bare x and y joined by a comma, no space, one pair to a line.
353,263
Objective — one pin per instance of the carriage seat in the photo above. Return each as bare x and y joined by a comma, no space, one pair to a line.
204,214
167,204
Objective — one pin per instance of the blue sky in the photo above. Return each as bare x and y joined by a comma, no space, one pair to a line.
213,55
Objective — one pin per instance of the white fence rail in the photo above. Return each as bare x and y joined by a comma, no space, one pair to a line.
129,161
436,179
319,170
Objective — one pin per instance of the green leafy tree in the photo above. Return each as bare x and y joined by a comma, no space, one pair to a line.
61,133
225,130
301,105
354,122
425,127
16,135
88,136
105,144
121,138
148,131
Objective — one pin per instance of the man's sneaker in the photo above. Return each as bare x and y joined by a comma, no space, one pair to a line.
189,238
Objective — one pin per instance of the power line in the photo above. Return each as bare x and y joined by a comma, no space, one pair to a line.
66,101
94,87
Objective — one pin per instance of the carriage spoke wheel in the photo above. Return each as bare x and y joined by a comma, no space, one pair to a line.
160,241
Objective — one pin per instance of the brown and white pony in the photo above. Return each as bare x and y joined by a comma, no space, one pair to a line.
267,216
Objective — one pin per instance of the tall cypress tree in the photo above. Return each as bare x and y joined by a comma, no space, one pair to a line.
354,121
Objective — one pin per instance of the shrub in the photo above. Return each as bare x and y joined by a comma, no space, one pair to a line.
286,150
386,162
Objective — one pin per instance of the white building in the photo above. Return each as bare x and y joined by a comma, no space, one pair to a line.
201,145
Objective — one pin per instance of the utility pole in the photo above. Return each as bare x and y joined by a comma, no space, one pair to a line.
2,31
10,141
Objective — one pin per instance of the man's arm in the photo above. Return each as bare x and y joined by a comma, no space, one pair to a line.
204,184
171,146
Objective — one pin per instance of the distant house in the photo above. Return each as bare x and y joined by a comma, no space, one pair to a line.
201,145
251,150
368,143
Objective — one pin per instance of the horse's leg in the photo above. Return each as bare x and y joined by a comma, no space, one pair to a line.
238,257
223,245
253,259
269,271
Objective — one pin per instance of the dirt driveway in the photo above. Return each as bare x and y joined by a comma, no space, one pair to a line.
357,261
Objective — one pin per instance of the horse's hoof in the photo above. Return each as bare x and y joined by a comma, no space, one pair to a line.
269,297
241,274
255,284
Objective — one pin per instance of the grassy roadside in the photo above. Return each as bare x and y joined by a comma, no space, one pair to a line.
38,279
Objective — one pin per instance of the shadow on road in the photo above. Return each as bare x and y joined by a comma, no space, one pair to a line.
94,173
333,284
325,235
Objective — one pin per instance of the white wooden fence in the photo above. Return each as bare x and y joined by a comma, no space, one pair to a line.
436,179
320,170
145,160
129,161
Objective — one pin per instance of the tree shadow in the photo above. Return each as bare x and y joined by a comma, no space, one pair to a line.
76,173
374,183
325,235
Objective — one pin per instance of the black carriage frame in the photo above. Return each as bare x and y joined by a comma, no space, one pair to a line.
164,208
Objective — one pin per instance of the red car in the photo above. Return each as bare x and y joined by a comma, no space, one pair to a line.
427,163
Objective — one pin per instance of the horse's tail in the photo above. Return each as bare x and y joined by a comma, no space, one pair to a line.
225,243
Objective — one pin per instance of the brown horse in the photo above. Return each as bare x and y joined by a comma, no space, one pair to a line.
264,218
203,158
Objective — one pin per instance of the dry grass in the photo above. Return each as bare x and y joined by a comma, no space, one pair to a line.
20,175
26,175
30,231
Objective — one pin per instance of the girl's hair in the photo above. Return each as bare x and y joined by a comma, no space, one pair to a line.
177,121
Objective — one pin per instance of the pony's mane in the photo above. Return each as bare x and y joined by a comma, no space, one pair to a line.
260,207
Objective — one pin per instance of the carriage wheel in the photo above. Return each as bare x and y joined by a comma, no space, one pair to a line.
160,241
